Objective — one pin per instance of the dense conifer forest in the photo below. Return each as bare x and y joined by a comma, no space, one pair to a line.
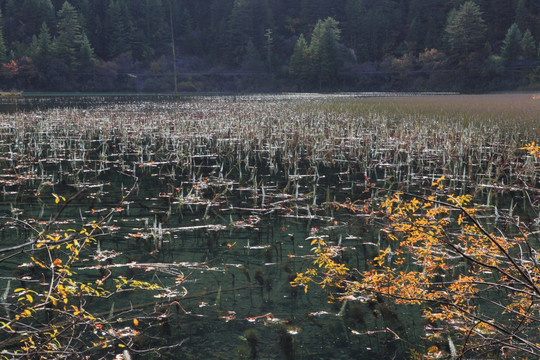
269,45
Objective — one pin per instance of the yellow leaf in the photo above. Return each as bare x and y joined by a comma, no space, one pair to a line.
29,298
438,181
38,262
53,300
6,325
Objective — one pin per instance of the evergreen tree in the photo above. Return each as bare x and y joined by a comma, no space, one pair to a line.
324,49
300,62
67,43
3,48
268,46
511,47
522,15
24,18
11,21
118,28
239,30
465,32
156,22
86,52
252,59
264,19
383,22
528,46
95,29
311,11
41,52
184,25
36,12
44,41
231,33
216,35
426,20
40,48
353,28
497,15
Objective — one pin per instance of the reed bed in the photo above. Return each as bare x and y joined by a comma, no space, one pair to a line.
473,138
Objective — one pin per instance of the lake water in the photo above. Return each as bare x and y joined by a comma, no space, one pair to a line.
237,224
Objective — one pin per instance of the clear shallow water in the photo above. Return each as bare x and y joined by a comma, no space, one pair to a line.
236,224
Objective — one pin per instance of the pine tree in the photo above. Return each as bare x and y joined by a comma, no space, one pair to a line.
252,59
184,25
67,43
353,25
522,17
300,62
12,20
324,49
465,32
216,35
3,48
40,47
35,12
44,41
425,22
528,46
41,53
498,16
240,29
118,27
157,25
511,47
86,52
268,46
382,24
311,11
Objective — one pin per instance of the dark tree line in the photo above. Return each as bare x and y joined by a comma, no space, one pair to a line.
126,45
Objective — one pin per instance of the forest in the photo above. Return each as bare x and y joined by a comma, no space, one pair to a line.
166,46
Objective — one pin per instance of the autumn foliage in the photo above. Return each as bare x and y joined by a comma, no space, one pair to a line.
478,286
52,315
